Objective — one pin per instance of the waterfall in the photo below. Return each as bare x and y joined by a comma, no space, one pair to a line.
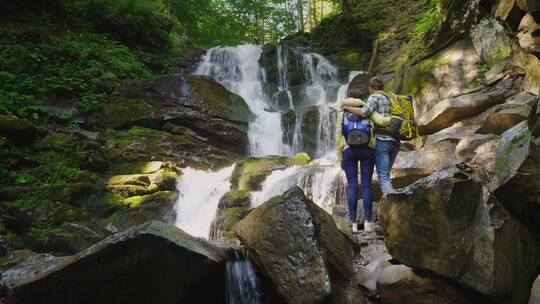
200,192
238,69
242,283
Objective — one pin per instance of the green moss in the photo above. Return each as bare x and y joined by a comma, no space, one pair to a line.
122,111
249,174
500,56
136,201
212,97
14,241
300,159
420,77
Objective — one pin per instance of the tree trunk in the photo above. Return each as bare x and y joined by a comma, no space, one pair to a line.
300,8
346,7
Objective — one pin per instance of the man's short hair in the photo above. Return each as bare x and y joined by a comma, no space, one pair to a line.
376,83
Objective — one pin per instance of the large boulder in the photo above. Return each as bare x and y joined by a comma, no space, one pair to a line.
450,224
503,117
411,166
299,248
466,148
360,83
150,263
519,157
491,42
197,102
445,112
529,34
529,64
400,284
250,173
232,208
445,74
142,145
17,130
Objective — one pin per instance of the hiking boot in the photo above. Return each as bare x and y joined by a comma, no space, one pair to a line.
355,228
369,226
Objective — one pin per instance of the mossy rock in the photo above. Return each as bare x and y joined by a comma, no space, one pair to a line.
235,198
223,224
142,167
142,145
249,174
300,159
18,130
212,97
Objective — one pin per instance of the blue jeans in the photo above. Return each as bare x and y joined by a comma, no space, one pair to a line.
366,156
385,155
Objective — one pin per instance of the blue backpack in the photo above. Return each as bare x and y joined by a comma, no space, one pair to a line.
356,130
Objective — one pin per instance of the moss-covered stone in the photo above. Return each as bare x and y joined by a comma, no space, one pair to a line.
210,96
288,123
249,174
235,198
300,159
18,130
142,145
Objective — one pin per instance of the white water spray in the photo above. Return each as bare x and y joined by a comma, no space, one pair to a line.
200,192
238,69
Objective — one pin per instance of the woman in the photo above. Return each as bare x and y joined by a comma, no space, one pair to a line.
351,156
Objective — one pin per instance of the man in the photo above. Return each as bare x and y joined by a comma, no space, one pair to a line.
386,147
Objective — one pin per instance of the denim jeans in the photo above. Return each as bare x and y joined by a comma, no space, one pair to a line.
351,157
385,155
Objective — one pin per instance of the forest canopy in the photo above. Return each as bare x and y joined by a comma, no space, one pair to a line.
206,23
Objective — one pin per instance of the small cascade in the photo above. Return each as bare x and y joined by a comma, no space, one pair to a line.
200,192
242,283
238,69
321,181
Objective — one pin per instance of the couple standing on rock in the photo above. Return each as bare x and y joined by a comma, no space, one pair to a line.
378,149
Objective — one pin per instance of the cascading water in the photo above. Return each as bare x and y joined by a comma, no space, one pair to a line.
242,283
200,192
238,69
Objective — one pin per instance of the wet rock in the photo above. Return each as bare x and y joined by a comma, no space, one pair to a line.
76,237
288,123
445,112
529,34
17,130
250,173
400,284
150,263
308,129
197,102
141,184
450,224
298,246
360,83
445,74
466,148
233,207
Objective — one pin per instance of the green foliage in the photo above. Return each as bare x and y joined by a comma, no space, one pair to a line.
79,68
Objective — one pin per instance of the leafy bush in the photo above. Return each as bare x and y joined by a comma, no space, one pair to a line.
80,68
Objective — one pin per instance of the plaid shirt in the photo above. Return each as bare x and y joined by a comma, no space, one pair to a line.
378,102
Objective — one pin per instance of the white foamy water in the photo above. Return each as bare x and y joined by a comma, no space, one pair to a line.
238,69
200,192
